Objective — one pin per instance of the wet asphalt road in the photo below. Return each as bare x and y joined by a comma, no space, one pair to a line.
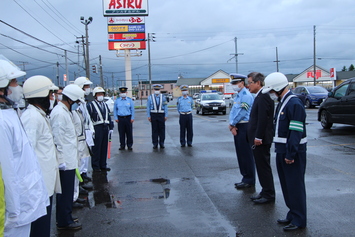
190,191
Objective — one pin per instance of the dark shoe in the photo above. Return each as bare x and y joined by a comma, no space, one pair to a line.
162,146
243,185
96,170
291,227
130,148
155,147
283,221
83,191
75,219
263,200
87,186
182,145
189,145
254,197
72,226
106,169
81,200
77,205
85,177
121,148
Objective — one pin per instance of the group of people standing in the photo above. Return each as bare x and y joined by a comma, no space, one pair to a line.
255,125
46,149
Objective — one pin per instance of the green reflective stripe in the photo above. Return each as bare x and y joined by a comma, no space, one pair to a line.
296,126
244,105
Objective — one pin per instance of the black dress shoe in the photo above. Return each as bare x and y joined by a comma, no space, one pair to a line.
87,186
77,205
189,145
155,147
263,200
72,226
85,177
106,169
162,146
182,145
291,227
96,170
254,197
83,191
81,200
121,148
243,185
130,148
283,221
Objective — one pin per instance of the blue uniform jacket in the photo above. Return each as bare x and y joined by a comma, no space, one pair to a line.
123,107
185,104
241,107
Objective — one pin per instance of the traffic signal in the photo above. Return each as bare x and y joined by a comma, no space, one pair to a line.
94,68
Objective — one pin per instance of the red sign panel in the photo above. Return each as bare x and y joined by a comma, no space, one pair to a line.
126,37
112,45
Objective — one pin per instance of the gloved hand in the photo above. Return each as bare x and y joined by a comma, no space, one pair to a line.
62,166
110,132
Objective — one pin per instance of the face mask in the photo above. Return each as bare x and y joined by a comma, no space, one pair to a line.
100,98
60,97
236,88
157,92
185,92
273,96
51,102
74,106
17,93
87,91
123,95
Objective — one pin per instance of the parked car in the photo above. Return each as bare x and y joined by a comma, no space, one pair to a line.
311,95
210,102
339,107
110,103
195,95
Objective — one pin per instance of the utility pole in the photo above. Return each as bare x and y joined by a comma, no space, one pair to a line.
277,60
24,68
87,64
101,75
58,74
314,56
236,54
66,67
151,37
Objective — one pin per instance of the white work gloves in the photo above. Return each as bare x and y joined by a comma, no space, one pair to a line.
62,166
110,132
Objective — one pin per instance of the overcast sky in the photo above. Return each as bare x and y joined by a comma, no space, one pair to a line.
194,38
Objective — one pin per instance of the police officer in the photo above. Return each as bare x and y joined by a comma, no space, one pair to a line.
26,196
99,113
157,112
184,107
238,124
38,90
123,112
290,147
66,141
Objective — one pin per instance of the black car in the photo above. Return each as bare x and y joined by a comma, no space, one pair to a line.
339,107
210,102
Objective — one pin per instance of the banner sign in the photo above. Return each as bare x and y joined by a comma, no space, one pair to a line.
126,28
125,20
126,45
126,37
333,74
220,80
125,7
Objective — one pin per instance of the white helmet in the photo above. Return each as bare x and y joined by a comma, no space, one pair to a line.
82,81
275,81
97,90
38,86
74,92
8,71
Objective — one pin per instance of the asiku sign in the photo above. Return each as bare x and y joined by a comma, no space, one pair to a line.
125,7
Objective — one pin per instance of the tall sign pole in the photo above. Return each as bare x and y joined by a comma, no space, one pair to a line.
314,56
87,58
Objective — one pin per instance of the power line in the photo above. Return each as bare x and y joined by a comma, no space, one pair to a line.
40,22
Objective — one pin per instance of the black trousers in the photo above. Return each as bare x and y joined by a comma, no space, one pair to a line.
186,129
125,131
158,128
64,205
244,154
293,187
42,226
262,161
99,150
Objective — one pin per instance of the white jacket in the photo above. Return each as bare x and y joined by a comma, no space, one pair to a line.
83,149
26,195
39,132
65,137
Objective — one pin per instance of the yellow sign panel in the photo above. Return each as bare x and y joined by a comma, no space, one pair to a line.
220,80
122,28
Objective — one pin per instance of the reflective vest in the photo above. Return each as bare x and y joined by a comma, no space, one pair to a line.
98,110
157,109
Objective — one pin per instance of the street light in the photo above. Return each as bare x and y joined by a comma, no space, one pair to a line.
87,62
